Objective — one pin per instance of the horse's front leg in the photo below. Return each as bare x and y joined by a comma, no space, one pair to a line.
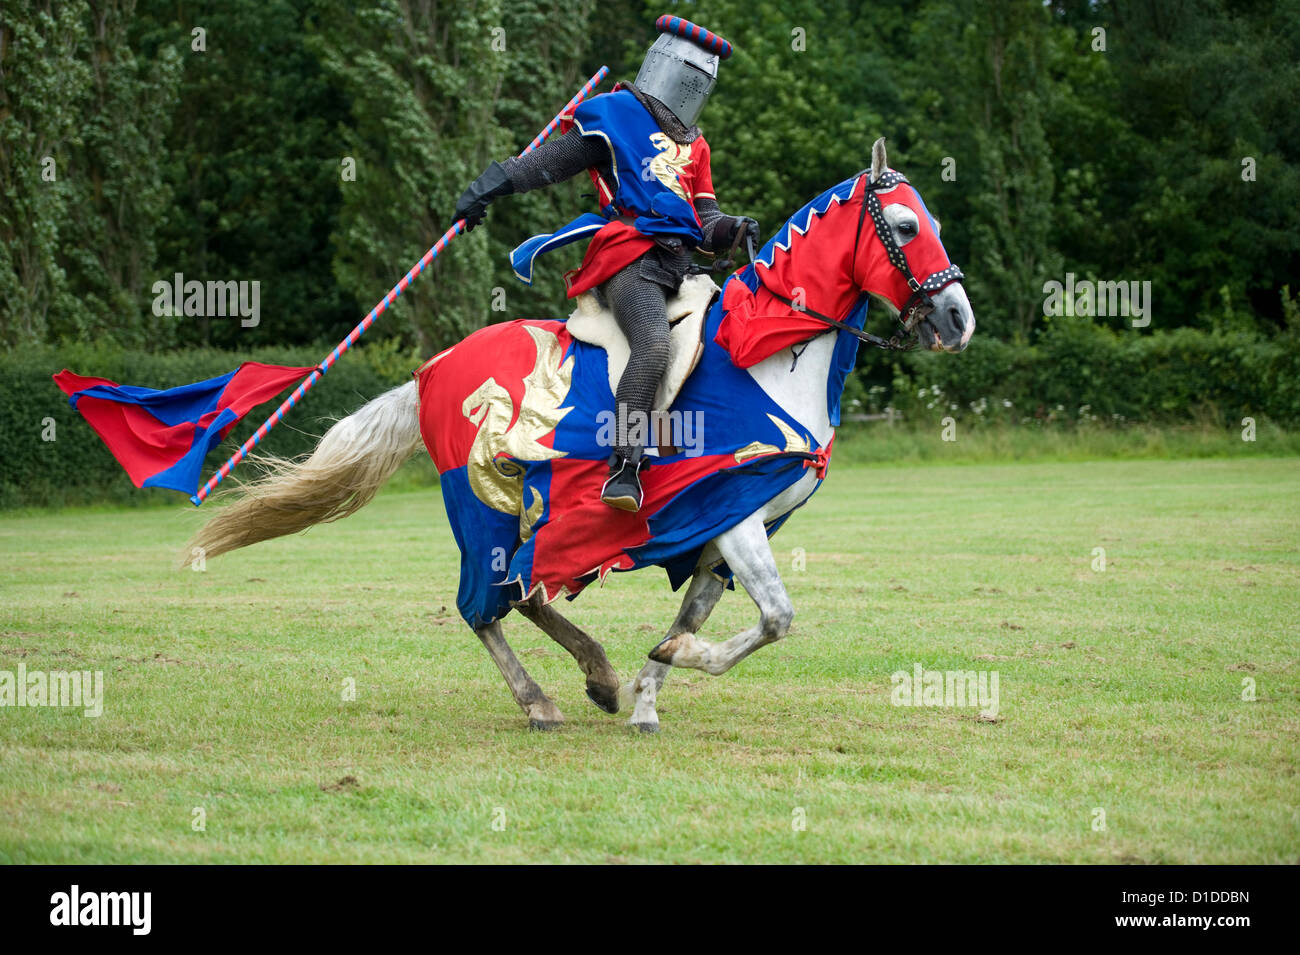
747,552
701,597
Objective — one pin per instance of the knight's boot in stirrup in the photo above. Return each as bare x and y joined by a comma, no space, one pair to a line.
623,489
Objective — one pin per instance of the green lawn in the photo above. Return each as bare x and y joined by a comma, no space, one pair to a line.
1120,691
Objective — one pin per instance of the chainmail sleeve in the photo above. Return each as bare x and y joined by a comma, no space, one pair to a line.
557,159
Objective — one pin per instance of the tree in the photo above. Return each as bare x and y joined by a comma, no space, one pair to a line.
42,83
83,120
119,198
988,96
254,165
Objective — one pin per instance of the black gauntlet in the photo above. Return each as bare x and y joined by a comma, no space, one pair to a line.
473,203
737,230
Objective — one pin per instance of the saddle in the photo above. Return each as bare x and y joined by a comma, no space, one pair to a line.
594,323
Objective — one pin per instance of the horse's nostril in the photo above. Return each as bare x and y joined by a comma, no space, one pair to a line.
960,324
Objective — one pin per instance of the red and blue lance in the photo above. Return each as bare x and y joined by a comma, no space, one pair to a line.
375,312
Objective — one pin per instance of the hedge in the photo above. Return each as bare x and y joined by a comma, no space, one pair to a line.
1073,372
1076,371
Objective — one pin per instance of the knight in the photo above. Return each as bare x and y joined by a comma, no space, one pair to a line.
650,165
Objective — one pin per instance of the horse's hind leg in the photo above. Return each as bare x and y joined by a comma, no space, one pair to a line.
602,681
542,713
701,597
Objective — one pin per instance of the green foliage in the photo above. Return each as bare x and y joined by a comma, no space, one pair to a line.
782,127
1201,92
43,80
253,163
83,120
1077,372
1104,139
436,94
987,79
122,200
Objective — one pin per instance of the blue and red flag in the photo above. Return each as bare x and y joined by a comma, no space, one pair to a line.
161,437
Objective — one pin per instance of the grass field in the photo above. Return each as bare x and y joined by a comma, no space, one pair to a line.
1121,691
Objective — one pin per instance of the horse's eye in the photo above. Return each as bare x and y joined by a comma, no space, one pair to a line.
907,228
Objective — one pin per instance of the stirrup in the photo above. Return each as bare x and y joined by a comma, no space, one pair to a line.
622,489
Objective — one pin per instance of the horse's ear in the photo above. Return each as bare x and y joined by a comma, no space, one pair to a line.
879,161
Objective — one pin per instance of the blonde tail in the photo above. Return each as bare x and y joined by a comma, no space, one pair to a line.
352,462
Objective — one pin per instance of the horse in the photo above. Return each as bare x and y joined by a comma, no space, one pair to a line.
511,416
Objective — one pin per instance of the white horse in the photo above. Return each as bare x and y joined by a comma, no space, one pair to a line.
894,233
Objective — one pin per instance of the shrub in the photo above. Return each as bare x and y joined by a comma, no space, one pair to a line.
1079,371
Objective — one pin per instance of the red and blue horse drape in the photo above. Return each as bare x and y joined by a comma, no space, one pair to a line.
510,417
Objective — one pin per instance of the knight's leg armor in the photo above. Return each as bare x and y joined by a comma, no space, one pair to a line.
640,307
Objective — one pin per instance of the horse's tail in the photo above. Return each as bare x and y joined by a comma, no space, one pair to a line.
352,462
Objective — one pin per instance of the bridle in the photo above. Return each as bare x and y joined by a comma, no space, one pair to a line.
918,305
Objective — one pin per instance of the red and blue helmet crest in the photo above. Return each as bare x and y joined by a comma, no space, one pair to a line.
696,34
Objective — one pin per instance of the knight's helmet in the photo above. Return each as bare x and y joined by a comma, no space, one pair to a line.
681,67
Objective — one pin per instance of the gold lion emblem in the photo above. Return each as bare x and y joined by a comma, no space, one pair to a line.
673,157
495,473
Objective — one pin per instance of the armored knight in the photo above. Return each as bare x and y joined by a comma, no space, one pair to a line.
650,164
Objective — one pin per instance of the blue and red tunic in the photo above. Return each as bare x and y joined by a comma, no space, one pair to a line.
648,190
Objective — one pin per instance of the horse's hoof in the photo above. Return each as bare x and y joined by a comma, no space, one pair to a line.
646,727
663,653
544,715
603,696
